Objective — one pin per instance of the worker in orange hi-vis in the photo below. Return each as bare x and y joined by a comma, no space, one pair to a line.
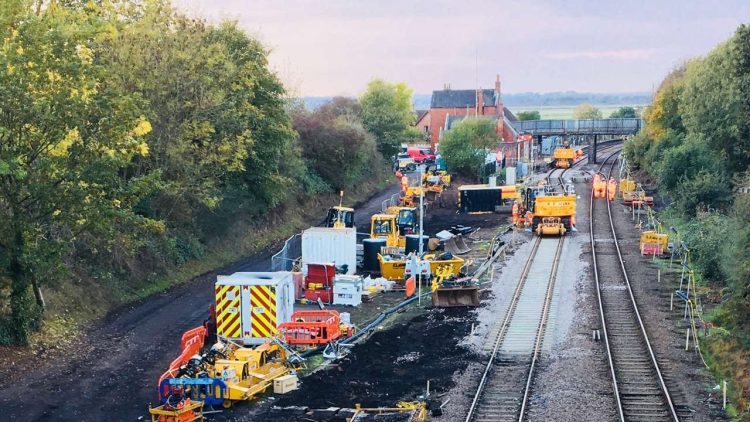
404,183
515,212
611,189
596,181
399,174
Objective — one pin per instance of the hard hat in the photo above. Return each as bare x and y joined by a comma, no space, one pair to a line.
196,359
217,346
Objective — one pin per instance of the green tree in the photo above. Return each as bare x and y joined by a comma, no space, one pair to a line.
528,115
465,146
625,112
222,140
335,145
587,111
66,139
387,114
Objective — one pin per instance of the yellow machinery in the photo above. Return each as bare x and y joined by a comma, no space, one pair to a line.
449,291
564,157
385,226
406,219
543,204
394,267
248,372
438,176
411,196
550,226
340,216
416,411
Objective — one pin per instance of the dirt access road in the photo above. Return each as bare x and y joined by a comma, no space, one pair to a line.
111,371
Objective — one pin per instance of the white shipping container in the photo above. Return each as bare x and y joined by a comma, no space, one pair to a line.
251,305
321,245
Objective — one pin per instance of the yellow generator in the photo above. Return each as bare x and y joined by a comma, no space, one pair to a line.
564,157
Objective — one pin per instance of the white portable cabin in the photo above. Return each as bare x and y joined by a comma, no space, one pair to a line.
323,244
251,305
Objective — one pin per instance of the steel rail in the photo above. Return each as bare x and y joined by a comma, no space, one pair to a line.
503,329
657,370
542,327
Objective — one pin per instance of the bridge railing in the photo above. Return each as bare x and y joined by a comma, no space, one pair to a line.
580,126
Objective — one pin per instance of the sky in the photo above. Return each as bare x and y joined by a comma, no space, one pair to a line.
334,47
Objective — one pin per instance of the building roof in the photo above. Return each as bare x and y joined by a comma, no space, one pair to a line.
509,115
450,98
420,114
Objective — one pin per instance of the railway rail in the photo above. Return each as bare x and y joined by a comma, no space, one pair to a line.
505,386
639,386
506,381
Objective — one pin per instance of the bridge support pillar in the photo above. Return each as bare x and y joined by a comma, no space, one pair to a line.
592,150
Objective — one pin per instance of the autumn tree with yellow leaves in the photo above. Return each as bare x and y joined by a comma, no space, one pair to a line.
65,139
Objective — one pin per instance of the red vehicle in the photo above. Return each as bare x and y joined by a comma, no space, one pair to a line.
421,154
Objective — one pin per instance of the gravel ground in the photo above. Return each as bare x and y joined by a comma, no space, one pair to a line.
495,300
688,381
572,380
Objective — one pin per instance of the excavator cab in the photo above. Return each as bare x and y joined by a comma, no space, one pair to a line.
385,226
406,219
340,217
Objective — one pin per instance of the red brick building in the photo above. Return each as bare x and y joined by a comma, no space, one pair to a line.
448,106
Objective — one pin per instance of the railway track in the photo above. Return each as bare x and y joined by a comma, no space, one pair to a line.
505,386
506,382
640,389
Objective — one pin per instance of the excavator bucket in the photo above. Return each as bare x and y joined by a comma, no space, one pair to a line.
447,297
461,244
456,245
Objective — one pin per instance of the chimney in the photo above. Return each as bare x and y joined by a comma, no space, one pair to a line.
480,103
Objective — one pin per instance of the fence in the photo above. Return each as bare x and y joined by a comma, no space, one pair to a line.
390,202
284,259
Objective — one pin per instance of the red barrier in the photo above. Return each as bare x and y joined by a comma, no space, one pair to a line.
409,287
312,327
191,344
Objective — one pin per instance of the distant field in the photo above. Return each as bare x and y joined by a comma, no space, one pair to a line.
566,112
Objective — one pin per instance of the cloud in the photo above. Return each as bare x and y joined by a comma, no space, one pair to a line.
626,54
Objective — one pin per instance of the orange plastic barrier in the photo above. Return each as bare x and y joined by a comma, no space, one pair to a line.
409,285
191,344
312,327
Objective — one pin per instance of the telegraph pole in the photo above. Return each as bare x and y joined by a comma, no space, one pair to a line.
421,232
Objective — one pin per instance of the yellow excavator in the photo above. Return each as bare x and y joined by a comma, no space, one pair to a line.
406,219
385,226
340,216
